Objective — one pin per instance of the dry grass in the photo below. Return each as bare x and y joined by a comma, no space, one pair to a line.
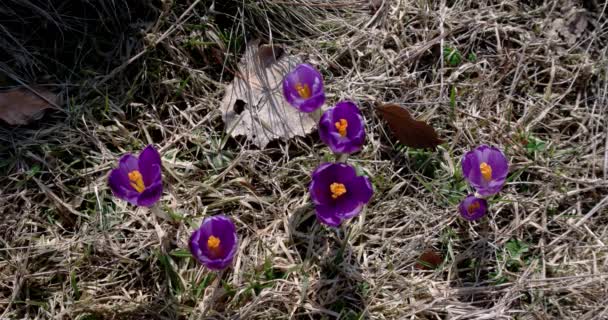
530,80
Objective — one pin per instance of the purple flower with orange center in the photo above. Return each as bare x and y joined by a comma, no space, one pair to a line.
138,180
473,208
338,193
303,88
342,128
215,243
486,169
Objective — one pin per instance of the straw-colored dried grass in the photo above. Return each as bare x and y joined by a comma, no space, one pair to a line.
68,250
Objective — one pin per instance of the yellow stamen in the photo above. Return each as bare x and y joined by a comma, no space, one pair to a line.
486,171
303,90
472,207
213,243
137,181
337,189
341,127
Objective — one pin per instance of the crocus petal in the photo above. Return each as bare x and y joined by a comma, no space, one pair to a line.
491,188
311,104
305,75
151,195
222,228
355,132
198,246
470,168
332,209
318,191
226,231
128,163
327,215
363,191
150,165
348,209
348,110
119,184
479,209
324,176
497,161
341,172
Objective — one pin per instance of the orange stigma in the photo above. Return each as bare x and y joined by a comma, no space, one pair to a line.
213,243
137,181
486,171
341,127
303,90
337,189
472,207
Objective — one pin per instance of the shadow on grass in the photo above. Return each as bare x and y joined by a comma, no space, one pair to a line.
155,309
340,291
341,288
474,266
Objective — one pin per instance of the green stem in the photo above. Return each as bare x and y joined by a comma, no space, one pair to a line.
341,157
340,256
159,212
345,241
316,115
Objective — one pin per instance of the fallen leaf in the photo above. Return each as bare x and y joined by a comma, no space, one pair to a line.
410,132
253,104
570,25
21,106
428,260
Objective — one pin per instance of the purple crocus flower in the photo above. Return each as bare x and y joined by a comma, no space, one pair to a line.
303,88
473,208
338,193
486,169
215,243
342,128
138,180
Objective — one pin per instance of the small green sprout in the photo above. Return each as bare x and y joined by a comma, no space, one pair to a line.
452,56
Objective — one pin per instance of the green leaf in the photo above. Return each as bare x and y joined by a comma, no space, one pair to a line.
181,253
230,290
497,278
33,171
172,276
452,56
472,57
535,145
204,284
74,284
516,249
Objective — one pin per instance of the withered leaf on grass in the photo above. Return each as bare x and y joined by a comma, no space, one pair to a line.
570,25
21,106
428,260
410,132
253,104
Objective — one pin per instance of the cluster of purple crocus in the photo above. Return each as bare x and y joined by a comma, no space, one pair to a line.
138,180
485,168
336,190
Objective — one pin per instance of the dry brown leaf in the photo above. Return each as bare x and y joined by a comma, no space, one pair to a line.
253,104
410,132
430,259
571,24
21,106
